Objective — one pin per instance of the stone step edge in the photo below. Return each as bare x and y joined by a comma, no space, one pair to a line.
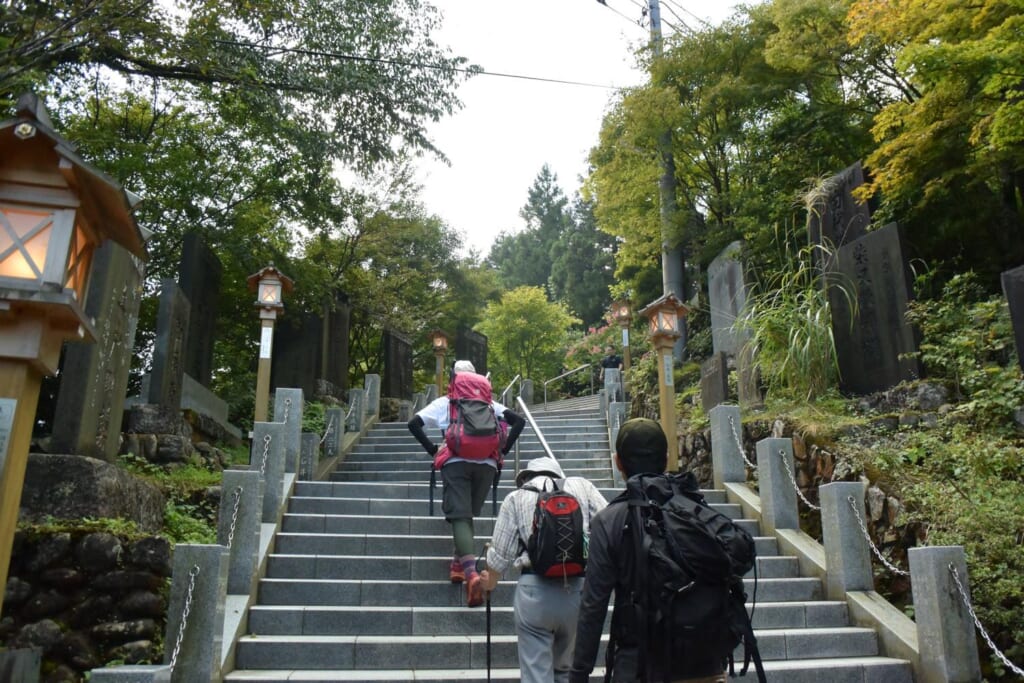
482,638
323,676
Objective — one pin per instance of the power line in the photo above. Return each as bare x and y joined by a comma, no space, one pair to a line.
704,22
631,21
396,62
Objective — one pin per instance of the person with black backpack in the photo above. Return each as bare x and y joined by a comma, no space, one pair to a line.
675,566
542,530
478,433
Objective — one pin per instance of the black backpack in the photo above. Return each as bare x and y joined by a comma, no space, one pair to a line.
557,544
688,597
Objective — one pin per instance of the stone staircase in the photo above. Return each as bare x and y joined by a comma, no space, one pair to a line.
356,587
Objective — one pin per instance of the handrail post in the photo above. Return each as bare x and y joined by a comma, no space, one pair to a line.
536,429
945,630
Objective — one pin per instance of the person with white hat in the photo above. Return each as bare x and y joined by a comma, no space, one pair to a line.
545,608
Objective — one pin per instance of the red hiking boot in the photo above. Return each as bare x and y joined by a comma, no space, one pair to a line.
475,591
456,573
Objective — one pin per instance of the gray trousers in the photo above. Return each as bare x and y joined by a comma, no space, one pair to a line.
545,611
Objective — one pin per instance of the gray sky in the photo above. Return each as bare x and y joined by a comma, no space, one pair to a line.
510,127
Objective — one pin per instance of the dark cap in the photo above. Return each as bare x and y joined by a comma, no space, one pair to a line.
641,436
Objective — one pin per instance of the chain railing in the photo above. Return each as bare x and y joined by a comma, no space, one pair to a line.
792,480
193,573
287,409
977,623
234,515
739,443
328,431
266,453
867,536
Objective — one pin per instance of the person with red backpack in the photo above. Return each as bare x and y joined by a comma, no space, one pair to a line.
542,530
478,433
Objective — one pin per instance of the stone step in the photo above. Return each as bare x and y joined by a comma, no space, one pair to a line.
597,475
435,567
390,461
434,593
396,525
420,490
846,670
469,651
268,620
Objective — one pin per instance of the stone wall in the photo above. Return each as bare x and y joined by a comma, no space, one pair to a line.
86,598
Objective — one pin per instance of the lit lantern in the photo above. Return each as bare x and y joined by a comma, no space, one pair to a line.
439,342
663,317
55,210
270,286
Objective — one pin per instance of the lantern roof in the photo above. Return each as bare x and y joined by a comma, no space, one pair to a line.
254,280
33,153
666,301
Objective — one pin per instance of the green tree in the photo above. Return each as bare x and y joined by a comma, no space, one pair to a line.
950,154
583,266
526,334
525,257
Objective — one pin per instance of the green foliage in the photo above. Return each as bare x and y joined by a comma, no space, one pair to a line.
965,487
526,334
967,340
112,525
788,323
184,523
314,417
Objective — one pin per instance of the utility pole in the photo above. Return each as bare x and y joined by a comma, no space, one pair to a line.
672,257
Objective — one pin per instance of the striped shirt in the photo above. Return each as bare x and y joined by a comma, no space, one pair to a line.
515,519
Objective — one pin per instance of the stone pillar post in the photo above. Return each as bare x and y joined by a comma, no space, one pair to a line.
334,431
726,442
847,554
945,630
617,413
372,384
241,490
405,410
288,406
357,406
203,570
430,393
419,401
267,458
309,456
778,496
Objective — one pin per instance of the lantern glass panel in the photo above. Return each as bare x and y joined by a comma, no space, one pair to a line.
78,263
24,239
269,292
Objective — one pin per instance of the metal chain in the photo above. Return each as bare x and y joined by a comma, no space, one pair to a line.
234,516
193,573
977,622
266,453
328,431
739,443
287,408
792,479
864,530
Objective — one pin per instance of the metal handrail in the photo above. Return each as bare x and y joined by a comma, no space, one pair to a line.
566,374
536,430
501,396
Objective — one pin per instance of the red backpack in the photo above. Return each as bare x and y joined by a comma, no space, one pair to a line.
474,431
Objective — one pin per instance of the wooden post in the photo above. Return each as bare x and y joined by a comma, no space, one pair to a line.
263,370
663,345
19,385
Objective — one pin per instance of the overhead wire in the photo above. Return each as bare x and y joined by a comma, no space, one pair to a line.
397,62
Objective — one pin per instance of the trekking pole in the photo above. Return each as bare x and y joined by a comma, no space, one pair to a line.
433,483
481,564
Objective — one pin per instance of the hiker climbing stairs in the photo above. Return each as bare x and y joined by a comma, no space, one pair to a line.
356,588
